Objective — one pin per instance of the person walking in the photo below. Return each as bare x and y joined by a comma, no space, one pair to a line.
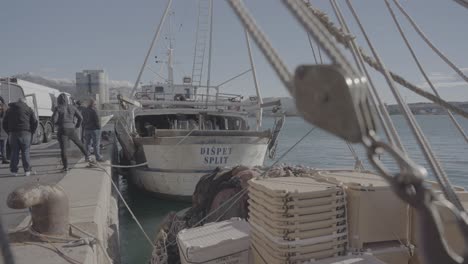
20,123
92,128
3,133
63,117
82,110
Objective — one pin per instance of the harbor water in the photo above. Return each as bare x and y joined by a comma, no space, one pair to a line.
319,150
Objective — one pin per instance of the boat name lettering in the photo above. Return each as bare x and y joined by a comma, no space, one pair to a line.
215,155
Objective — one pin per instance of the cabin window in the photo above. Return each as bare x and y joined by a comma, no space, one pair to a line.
11,93
187,93
159,89
146,125
224,123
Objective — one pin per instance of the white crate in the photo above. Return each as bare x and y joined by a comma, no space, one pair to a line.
221,243
375,213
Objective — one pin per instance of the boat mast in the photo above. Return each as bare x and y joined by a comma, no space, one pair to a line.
209,55
155,38
257,89
170,59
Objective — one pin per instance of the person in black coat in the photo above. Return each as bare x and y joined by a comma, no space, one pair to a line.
92,128
3,133
64,117
21,123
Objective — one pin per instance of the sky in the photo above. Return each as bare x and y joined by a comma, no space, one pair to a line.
56,38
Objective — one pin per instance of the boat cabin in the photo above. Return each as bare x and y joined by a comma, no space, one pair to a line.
147,123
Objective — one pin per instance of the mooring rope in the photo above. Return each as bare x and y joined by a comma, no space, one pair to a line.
116,188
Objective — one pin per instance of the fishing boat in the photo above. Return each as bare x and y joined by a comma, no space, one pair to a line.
182,131
325,216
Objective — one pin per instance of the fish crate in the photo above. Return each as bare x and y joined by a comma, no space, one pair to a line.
374,211
221,243
295,219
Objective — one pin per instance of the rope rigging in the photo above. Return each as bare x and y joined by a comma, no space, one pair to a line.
408,182
346,39
382,111
439,173
464,3
421,69
358,162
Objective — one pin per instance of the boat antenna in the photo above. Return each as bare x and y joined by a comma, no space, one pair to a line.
155,38
170,57
254,76
210,49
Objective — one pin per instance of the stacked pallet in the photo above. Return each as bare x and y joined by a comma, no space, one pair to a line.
296,219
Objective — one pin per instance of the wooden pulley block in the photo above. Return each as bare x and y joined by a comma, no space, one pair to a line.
337,103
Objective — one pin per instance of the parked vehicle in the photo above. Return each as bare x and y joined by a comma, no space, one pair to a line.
41,99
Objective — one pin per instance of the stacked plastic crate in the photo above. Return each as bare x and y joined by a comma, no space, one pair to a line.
378,221
296,219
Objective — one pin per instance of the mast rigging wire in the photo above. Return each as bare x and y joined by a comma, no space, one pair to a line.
429,43
312,47
421,69
382,112
358,162
440,174
346,39
463,3
156,36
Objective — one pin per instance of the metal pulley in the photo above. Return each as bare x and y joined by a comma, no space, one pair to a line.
333,101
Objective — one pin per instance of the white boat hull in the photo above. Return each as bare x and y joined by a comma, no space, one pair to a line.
174,169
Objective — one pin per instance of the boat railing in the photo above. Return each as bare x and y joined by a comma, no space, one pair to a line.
210,133
219,105
125,117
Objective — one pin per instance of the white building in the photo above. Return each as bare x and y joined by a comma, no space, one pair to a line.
92,84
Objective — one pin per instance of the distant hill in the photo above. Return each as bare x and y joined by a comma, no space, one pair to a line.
69,85
64,85
288,107
425,108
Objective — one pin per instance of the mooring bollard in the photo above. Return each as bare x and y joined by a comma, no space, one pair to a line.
49,207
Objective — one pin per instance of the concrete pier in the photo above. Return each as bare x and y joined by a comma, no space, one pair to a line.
93,232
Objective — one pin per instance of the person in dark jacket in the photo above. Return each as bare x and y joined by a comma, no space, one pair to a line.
64,119
21,123
3,133
92,128
82,109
